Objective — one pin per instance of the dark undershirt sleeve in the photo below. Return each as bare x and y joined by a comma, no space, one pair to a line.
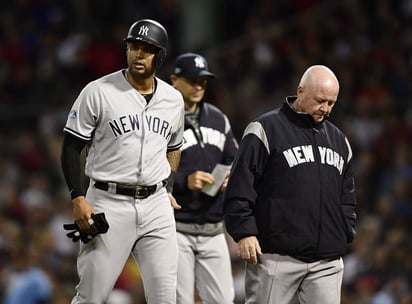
71,164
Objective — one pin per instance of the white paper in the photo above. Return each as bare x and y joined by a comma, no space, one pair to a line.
219,174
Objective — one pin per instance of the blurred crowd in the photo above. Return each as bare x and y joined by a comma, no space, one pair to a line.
49,49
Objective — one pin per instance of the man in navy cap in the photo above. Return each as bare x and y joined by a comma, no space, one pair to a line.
209,145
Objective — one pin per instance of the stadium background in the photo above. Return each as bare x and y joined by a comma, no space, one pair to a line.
49,49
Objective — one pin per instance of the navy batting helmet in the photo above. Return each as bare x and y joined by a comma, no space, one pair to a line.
152,32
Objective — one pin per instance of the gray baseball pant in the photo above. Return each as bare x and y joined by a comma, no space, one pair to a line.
204,262
278,279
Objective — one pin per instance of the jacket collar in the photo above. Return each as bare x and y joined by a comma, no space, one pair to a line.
302,118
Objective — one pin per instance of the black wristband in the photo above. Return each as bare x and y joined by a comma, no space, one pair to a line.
170,181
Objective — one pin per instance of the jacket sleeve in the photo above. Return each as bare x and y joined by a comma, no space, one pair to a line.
240,195
180,183
348,197
231,144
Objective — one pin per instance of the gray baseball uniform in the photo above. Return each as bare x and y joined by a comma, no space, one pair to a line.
128,139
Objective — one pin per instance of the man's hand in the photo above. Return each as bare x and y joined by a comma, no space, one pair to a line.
225,181
249,249
198,179
82,212
173,202
98,221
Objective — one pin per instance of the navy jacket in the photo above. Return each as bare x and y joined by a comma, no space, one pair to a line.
292,186
216,144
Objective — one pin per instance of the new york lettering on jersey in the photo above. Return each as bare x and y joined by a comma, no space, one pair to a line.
130,123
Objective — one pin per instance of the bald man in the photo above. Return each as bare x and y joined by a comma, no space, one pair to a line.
290,202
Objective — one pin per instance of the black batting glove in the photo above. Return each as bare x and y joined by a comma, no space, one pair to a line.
76,234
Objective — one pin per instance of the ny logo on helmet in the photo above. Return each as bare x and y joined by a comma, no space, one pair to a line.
200,62
144,30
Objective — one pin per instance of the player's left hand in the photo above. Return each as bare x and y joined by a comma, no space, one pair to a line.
225,181
173,202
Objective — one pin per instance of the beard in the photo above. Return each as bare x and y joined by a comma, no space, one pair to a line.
141,72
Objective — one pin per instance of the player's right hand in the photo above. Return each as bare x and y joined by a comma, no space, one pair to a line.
173,202
198,179
82,212
249,249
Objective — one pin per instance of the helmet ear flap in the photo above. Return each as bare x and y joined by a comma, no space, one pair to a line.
160,58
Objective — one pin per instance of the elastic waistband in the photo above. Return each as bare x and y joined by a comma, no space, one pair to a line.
207,229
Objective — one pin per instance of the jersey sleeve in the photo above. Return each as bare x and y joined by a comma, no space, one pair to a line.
240,194
83,116
176,138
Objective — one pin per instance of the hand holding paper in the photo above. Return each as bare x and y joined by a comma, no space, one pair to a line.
219,174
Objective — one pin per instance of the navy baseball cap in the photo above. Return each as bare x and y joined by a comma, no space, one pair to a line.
191,65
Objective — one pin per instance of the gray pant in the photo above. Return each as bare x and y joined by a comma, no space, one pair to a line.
278,279
204,262
100,262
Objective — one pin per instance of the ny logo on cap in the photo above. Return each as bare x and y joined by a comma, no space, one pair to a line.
144,30
200,62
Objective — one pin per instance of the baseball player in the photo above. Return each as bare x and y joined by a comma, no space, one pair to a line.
132,124
290,202
204,259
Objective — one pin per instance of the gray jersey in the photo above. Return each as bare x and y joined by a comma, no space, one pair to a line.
130,137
